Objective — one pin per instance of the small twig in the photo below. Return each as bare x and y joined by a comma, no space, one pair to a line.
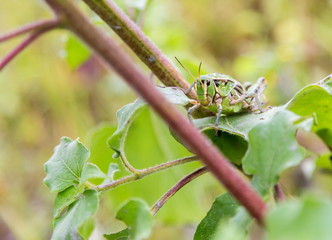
145,172
278,193
37,25
160,203
26,42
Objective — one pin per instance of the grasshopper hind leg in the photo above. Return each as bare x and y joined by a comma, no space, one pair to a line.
253,95
258,92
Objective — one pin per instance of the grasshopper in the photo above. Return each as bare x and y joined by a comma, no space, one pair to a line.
222,94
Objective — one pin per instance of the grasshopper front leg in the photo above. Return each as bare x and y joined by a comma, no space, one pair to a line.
192,109
191,87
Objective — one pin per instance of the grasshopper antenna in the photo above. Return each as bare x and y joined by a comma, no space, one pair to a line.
185,69
199,71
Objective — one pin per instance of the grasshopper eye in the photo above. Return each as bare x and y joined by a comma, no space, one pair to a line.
206,81
216,82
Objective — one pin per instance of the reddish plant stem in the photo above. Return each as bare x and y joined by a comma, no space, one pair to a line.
160,203
205,150
41,24
26,42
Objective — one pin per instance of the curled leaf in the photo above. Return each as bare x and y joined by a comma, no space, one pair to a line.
127,114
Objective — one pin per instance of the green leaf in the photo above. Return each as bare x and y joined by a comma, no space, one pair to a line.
232,146
306,219
136,215
76,52
122,235
127,113
174,95
238,124
314,100
233,135
65,167
101,154
64,199
326,135
125,117
223,208
86,228
272,148
91,170
230,231
78,213
324,161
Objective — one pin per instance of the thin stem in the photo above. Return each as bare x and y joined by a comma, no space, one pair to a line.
160,203
26,42
168,165
127,165
37,25
179,124
145,172
133,36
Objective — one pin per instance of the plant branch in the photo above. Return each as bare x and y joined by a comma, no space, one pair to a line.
38,28
37,25
26,42
145,172
133,36
160,203
179,124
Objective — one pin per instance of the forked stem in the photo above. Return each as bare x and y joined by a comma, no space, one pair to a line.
145,172
127,164
161,202
41,27
34,26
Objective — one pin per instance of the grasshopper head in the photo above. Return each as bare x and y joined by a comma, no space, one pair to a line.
205,88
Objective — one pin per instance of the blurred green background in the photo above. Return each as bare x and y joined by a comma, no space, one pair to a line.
48,92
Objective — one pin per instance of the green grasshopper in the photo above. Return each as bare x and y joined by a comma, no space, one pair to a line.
222,94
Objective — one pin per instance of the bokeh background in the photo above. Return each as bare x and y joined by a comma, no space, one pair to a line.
57,87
